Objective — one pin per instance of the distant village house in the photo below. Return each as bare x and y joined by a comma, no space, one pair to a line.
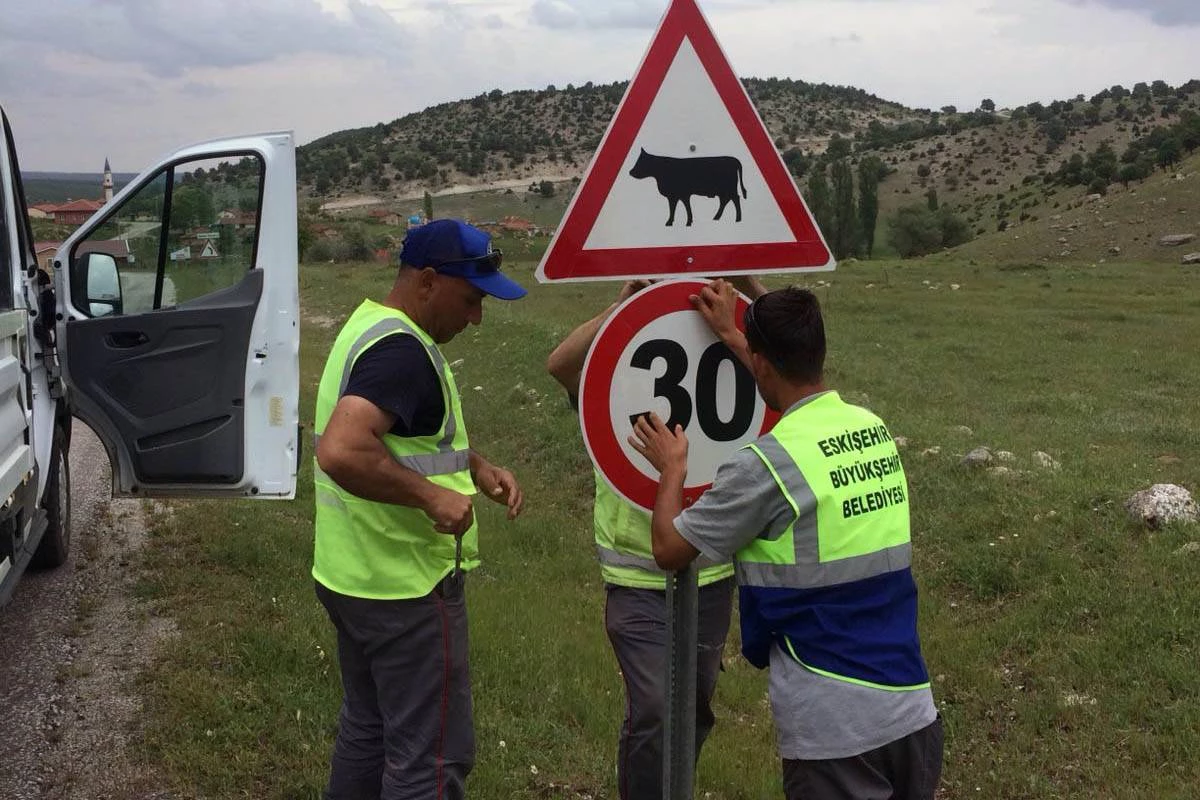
75,212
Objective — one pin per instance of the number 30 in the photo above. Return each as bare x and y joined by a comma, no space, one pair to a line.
668,385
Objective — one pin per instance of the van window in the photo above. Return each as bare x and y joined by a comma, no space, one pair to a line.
189,231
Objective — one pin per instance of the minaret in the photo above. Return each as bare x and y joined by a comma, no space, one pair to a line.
108,182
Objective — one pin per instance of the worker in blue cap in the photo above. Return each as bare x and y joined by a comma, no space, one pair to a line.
395,526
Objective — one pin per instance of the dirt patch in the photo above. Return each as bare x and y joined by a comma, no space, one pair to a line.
75,640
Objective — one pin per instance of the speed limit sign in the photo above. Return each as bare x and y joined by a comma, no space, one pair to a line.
656,353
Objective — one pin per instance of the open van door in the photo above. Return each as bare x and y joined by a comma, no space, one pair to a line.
178,328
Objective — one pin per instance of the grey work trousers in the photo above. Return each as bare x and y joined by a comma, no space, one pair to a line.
906,769
405,731
636,620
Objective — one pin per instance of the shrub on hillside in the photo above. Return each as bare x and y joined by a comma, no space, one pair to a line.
918,230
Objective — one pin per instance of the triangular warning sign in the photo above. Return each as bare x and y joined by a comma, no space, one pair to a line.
686,179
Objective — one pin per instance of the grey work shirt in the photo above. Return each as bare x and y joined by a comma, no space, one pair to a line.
816,717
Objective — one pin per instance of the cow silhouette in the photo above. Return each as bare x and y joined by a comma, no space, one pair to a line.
680,178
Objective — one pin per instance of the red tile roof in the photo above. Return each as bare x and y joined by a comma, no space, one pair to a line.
90,206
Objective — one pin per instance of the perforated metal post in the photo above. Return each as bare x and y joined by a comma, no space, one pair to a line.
679,734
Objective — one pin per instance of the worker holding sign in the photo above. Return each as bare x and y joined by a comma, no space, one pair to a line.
635,607
815,514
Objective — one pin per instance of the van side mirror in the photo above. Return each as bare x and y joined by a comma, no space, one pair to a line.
96,285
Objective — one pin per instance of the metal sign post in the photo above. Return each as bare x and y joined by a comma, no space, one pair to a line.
679,733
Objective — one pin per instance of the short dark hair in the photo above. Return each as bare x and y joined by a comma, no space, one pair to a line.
786,328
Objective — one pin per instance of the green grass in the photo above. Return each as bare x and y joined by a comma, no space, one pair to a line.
1038,597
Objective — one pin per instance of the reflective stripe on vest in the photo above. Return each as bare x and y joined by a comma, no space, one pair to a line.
833,587
381,550
842,533
624,549
429,463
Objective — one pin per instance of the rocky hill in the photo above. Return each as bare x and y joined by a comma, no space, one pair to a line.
550,134
997,169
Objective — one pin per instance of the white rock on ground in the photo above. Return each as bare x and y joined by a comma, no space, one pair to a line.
1045,460
1161,504
978,457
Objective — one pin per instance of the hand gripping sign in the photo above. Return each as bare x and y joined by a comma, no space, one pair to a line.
656,353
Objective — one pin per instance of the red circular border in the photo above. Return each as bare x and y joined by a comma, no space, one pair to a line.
594,413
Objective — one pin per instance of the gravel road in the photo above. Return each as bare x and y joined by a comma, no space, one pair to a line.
72,642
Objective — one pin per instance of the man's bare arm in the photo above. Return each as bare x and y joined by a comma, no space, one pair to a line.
565,363
351,452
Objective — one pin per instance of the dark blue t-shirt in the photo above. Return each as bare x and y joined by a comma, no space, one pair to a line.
396,375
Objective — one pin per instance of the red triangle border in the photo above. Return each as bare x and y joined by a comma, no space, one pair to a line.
566,258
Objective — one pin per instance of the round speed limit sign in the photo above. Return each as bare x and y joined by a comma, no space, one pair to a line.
656,353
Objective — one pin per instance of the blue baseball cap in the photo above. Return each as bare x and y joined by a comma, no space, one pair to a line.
452,247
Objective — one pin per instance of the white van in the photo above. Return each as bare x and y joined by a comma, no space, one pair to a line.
170,327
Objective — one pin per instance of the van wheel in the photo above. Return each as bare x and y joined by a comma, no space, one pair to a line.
56,541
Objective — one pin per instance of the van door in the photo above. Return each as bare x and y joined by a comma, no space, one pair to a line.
178,323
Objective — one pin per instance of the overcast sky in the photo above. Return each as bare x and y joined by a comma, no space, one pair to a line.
134,79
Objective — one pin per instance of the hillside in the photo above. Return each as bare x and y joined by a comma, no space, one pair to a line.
1012,166
59,187
1126,224
548,134
996,168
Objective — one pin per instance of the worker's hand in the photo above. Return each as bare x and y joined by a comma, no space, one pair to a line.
630,288
450,511
659,445
748,285
717,303
499,485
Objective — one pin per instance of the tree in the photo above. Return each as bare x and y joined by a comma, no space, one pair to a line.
949,110
845,221
1055,130
916,230
546,189
357,248
191,206
305,236
428,206
1169,152
1103,163
955,230
870,171
987,105
931,199
819,201
838,148
796,161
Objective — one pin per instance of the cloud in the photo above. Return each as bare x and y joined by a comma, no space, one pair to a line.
568,14
167,38
850,38
1168,13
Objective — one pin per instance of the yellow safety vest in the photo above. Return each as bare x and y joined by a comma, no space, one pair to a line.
835,588
378,550
624,549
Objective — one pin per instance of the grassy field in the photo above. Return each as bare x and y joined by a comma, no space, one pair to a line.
1062,639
